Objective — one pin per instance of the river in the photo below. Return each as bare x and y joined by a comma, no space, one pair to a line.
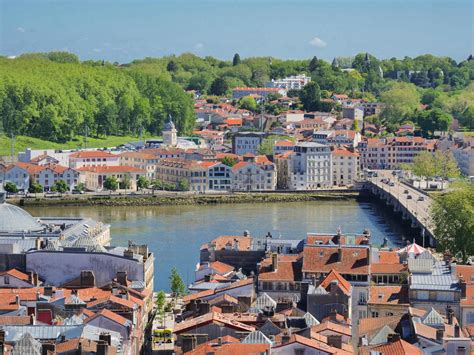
175,233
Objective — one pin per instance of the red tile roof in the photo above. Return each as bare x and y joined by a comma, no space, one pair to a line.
342,283
211,317
112,316
333,327
323,259
229,346
16,274
112,169
287,270
389,295
396,348
92,154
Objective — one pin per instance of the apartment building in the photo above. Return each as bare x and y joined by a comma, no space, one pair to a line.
294,82
94,176
93,158
254,173
310,166
142,161
345,166
247,142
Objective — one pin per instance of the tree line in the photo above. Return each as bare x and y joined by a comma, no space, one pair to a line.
54,97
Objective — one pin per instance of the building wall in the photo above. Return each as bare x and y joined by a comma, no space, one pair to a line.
310,168
18,176
345,169
246,143
253,177
57,268
76,163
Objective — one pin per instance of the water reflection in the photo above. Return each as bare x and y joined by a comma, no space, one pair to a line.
175,233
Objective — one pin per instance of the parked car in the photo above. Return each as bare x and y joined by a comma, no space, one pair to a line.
405,191
391,183
409,197
421,198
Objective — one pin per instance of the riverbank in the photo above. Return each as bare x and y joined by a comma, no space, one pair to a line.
187,199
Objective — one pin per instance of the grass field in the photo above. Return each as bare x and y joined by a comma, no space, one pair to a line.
23,142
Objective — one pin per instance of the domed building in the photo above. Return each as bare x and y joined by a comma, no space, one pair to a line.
14,220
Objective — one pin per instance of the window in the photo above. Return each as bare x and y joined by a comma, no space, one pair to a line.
470,318
375,314
6,280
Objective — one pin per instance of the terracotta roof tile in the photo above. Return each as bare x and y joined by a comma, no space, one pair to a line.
323,259
343,284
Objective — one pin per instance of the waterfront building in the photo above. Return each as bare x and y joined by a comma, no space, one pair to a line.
140,160
92,158
281,164
15,174
201,176
94,176
345,166
254,173
294,82
310,166
48,174
283,146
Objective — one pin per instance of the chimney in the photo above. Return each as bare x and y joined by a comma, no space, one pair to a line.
246,233
79,348
339,254
32,319
122,278
38,243
219,341
439,334
207,278
236,244
449,314
106,337
128,254
392,338
17,299
274,262
456,331
102,347
30,277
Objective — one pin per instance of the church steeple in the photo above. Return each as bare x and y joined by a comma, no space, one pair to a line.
335,63
170,134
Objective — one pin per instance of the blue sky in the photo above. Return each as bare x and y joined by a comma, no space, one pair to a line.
123,30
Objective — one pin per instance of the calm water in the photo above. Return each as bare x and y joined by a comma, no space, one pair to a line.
175,233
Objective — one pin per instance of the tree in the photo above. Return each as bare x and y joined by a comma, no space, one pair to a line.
10,187
35,188
111,183
178,288
229,161
313,64
248,103
445,165
126,182
433,120
310,97
182,185
424,165
453,217
160,306
60,186
218,87
399,102
172,66
143,183
355,126
80,187
236,59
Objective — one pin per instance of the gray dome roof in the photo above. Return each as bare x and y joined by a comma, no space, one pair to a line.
169,126
13,219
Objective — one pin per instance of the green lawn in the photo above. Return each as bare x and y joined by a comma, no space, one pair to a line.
23,142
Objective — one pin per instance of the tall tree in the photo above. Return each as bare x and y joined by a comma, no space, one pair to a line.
453,217
310,97
236,59
219,87
178,288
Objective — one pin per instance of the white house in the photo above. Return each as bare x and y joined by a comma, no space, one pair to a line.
310,166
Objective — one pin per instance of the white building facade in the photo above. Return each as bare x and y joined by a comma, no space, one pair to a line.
310,166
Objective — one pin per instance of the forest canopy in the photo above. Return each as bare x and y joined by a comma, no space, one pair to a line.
55,96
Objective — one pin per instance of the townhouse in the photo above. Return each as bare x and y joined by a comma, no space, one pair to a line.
15,174
247,142
47,175
254,173
345,166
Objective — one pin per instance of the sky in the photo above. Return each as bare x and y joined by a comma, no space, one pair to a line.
124,30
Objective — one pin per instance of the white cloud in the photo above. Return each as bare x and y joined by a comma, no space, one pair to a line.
21,29
317,42
199,46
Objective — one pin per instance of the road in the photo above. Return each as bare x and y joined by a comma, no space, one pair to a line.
420,209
